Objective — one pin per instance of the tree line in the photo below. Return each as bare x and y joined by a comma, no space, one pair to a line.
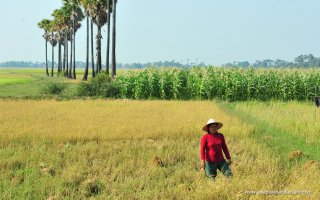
301,61
61,31
298,63
80,64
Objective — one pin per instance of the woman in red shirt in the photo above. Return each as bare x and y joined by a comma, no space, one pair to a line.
211,146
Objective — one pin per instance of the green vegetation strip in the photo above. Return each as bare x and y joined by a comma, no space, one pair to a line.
283,143
15,81
219,83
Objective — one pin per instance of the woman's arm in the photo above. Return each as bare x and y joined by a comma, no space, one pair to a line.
203,143
225,149
203,165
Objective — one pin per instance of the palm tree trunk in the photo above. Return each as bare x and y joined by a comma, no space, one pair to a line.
74,53
85,76
114,39
59,58
47,71
108,38
52,63
98,48
92,54
66,56
70,68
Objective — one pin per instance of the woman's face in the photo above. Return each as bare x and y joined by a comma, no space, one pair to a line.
213,128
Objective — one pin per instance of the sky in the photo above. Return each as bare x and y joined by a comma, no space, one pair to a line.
210,31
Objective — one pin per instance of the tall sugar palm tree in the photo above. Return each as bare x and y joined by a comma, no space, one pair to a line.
89,9
109,9
92,49
64,53
58,15
71,52
45,25
66,46
87,4
114,6
76,17
53,42
62,17
59,40
99,17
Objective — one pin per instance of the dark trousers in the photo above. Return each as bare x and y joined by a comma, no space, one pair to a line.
211,169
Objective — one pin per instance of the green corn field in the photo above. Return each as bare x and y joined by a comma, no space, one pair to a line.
203,83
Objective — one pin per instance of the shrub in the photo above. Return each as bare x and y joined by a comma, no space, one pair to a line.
53,87
101,86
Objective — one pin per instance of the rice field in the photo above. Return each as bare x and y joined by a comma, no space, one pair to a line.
24,82
128,149
14,80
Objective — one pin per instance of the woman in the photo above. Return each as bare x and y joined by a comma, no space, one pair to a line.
211,146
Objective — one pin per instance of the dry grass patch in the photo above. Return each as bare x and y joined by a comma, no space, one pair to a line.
131,150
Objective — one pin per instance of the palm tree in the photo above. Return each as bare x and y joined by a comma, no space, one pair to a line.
89,9
68,8
71,52
110,4
92,50
58,15
114,2
44,24
59,39
64,53
99,17
53,41
75,15
85,5
66,46
86,71
109,9
62,18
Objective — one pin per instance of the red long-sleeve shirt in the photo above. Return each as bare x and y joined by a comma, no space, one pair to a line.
211,147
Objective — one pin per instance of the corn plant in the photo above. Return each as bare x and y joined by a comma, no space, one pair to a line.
220,83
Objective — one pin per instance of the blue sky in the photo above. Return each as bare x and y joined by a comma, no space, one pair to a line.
211,31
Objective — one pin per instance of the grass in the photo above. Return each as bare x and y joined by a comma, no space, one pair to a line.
14,80
26,82
276,131
126,149
301,117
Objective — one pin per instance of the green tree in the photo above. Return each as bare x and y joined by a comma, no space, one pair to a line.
99,17
58,15
53,42
86,6
45,25
73,10
62,17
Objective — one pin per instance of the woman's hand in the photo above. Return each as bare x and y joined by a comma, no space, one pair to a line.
203,165
228,162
